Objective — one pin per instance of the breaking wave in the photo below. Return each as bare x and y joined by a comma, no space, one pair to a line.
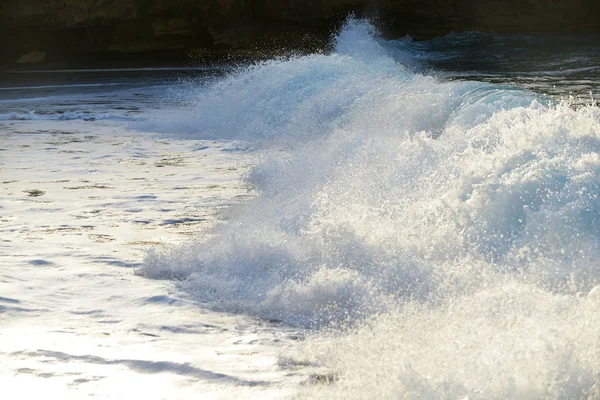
454,227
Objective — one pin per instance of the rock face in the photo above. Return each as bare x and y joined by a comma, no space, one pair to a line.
66,30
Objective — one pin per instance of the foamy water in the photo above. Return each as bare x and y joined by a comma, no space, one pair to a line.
446,232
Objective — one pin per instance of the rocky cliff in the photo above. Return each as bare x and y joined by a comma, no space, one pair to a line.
61,30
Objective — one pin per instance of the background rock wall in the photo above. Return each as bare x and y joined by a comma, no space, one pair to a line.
63,30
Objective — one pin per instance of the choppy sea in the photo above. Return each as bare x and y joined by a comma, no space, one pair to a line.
428,211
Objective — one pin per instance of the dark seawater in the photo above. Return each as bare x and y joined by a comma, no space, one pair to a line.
88,92
559,65
562,66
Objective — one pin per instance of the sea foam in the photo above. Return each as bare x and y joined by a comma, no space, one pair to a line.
453,226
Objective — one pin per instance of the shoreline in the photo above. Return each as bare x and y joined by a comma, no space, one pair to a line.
76,320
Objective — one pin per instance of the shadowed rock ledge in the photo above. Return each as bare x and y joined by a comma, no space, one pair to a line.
35,31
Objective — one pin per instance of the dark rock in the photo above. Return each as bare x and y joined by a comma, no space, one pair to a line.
67,30
32,57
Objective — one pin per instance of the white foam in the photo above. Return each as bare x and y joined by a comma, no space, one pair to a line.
386,192
513,341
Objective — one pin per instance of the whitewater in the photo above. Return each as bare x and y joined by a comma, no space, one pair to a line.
438,238
370,222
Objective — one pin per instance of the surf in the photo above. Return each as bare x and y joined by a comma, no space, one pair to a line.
448,228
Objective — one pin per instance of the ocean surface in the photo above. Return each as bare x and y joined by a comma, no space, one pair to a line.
427,211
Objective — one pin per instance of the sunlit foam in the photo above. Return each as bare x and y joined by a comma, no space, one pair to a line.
459,221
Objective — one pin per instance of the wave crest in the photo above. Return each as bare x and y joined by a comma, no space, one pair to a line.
382,186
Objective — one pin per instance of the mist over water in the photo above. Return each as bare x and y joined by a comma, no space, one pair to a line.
450,229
